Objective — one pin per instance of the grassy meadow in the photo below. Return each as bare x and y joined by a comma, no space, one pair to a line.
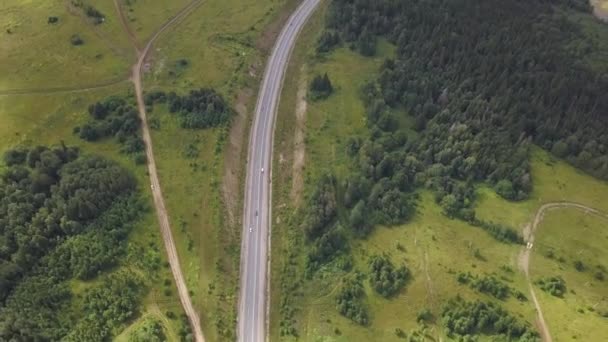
36,54
434,247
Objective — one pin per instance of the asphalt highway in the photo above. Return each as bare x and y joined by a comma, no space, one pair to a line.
252,315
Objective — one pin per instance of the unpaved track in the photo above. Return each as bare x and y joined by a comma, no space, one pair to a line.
524,256
68,89
159,202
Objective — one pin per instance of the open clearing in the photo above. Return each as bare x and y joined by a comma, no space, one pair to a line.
37,54
565,236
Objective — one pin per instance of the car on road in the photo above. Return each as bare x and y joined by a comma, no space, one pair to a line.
250,229
262,170
152,186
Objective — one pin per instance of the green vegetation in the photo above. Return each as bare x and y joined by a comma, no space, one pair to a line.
384,278
115,117
465,318
320,87
350,299
199,109
467,161
556,286
38,52
149,331
573,303
486,284
64,216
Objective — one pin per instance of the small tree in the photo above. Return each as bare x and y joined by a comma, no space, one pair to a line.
321,87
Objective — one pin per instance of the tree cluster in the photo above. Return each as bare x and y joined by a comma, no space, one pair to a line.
385,278
556,286
201,108
350,299
62,216
486,284
151,330
320,87
481,88
114,117
470,318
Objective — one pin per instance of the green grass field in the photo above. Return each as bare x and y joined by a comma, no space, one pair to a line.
434,247
146,16
35,54
572,235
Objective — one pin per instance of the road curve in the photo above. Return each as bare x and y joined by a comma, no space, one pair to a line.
252,314
525,253
159,203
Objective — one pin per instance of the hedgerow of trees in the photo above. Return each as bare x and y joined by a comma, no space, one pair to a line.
480,88
64,215
486,284
201,108
468,318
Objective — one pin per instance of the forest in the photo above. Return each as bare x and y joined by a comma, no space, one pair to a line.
480,89
65,215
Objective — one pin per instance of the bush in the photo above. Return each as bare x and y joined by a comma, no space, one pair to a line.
52,20
384,278
556,286
349,300
320,87
76,40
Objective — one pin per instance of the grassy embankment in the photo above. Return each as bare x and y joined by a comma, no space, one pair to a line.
36,54
220,45
434,247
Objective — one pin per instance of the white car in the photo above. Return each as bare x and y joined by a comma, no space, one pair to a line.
152,186
250,229
262,170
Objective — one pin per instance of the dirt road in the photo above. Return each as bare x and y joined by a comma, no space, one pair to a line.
524,255
159,202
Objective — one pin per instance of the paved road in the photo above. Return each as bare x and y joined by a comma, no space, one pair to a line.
524,257
159,202
252,316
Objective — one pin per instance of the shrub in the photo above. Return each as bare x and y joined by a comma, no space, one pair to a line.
384,278
76,40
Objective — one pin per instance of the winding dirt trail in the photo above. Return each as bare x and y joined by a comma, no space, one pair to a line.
524,255
159,203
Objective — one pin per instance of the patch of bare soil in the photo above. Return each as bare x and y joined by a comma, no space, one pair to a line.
232,156
298,142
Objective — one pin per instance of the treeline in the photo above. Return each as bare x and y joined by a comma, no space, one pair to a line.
201,108
480,86
115,117
64,215
490,285
468,318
